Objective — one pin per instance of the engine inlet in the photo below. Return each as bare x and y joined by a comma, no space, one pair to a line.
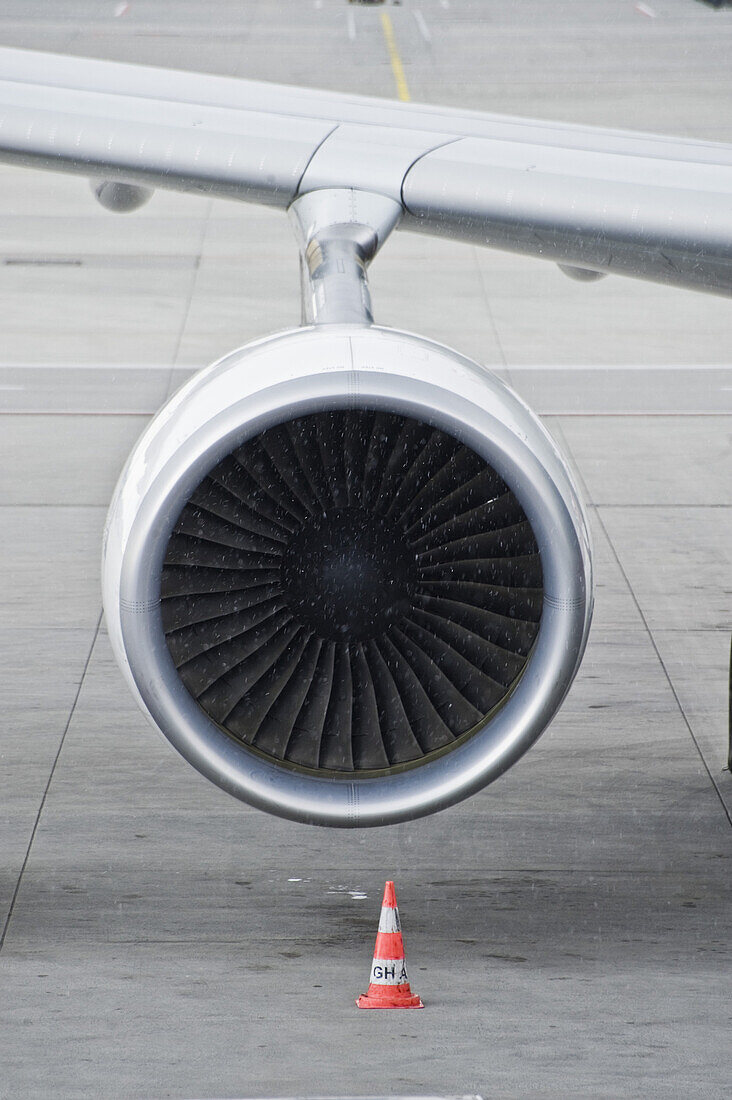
351,592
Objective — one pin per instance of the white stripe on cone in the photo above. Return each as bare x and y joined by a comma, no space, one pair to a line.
389,920
389,972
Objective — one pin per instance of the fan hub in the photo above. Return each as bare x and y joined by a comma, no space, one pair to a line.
348,574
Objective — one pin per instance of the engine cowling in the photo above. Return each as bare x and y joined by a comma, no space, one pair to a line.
347,575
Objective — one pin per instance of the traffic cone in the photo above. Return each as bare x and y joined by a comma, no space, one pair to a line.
389,984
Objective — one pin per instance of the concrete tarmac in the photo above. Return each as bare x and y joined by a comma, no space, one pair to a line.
569,929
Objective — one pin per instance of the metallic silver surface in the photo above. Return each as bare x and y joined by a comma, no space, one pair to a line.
120,198
293,374
642,207
652,207
142,126
339,232
581,274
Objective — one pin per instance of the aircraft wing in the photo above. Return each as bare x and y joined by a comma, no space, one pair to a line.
602,200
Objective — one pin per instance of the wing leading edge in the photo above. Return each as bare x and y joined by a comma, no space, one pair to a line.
641,205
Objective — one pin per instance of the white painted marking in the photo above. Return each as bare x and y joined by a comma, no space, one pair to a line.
294,880
4,388
192,368
424,30
640,368
351,22
647,10
389,920
357,896
95,366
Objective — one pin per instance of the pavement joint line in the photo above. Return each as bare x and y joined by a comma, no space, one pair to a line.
636,414
558,430
682,712
396,62
576,367
602,367
588,504
421,22
16,891
678,504
47,504
468,873
191,291
491,318
545,414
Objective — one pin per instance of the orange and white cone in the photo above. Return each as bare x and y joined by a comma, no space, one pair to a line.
389,984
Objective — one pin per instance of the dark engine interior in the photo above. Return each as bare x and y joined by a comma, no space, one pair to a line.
351,592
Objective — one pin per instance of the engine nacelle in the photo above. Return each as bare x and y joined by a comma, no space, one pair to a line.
347,575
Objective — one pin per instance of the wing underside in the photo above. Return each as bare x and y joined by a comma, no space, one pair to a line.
653,207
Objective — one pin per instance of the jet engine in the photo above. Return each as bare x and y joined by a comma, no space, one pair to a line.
347,575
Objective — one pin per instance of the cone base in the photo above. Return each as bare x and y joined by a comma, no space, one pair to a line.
394,1000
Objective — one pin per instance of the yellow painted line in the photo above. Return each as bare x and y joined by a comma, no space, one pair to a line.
396,62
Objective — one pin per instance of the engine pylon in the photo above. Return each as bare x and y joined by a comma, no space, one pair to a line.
389,985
